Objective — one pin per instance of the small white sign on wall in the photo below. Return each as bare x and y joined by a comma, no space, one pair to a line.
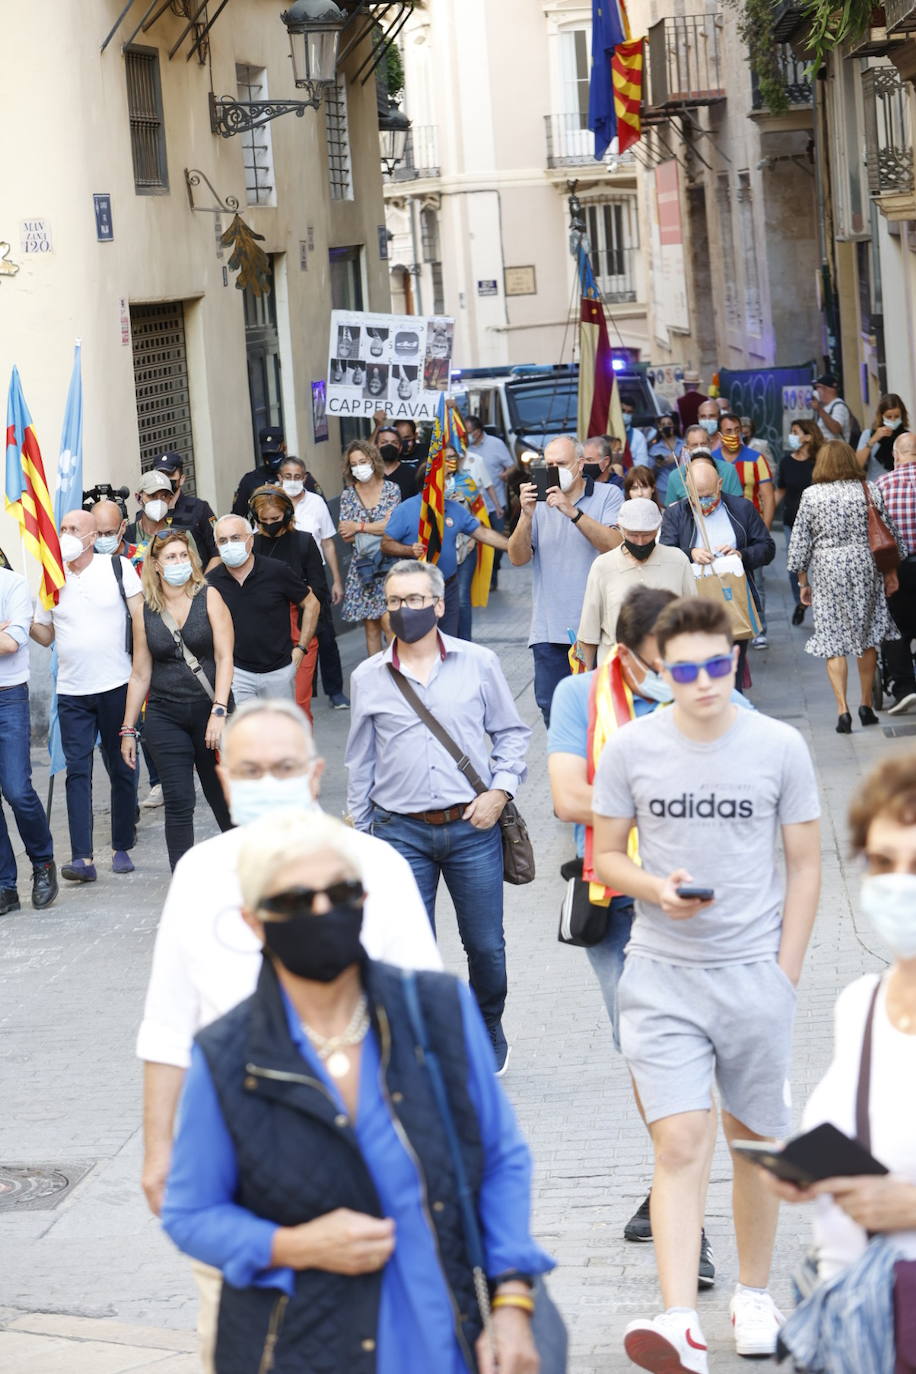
35,236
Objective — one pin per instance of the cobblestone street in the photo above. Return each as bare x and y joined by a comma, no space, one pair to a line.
93,1285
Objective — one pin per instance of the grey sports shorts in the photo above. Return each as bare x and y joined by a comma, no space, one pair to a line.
682,1026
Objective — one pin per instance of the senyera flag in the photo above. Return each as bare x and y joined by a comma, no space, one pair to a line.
27,493
599,399
627,75
432,506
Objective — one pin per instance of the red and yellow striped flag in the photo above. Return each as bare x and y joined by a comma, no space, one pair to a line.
27,494
626,77
432,506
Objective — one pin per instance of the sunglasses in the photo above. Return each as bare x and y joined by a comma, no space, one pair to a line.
719,666
298,901
169,534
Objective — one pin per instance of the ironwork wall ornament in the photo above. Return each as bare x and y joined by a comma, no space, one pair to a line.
7,268
229,117
193,177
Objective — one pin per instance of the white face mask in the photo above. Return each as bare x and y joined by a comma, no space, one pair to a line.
889,902
252,798
156,510
293,486
795,442
892,424
711,426
234,553
567,478
362,472
71,546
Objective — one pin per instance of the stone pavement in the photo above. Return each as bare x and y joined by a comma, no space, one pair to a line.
92,1285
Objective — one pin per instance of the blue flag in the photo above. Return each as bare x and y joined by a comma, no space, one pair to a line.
607,32
68,493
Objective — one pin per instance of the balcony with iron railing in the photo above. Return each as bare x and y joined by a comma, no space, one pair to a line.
421,155
615,271
888,141
571,144
793,77
900,16
684,65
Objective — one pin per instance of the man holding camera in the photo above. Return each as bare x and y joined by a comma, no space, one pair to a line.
566,521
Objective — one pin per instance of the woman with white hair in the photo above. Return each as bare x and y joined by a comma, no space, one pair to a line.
314,1164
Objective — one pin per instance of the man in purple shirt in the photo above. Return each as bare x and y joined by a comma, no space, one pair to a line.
405,787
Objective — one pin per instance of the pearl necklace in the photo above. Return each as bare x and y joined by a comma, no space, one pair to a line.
331,1048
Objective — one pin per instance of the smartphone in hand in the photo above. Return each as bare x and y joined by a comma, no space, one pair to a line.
545,478
688,893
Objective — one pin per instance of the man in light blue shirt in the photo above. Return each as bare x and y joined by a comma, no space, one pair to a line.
562,536
406,788
15,758
664,452
696,445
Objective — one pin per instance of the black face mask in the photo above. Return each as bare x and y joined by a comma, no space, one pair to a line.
640,551
667,431
390,453
273,527
317,947
273,460
412,625
592,470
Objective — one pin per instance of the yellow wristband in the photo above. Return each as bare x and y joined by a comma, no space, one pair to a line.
513,1300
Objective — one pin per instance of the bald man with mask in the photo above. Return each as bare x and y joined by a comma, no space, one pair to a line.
899,491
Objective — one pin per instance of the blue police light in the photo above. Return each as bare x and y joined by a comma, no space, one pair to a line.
618,364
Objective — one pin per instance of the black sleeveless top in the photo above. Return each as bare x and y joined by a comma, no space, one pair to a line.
172,679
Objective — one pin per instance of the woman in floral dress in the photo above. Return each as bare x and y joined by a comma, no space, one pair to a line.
366,503
838,576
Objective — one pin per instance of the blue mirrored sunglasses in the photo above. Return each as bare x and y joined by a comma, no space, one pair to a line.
719,666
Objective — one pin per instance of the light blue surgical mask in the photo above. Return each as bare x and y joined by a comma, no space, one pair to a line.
655,688
711,426
794,442
106,543
176,574
892,424
252,798
889,901
234,553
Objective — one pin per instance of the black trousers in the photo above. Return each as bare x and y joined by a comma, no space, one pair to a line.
897,653
175,733
329,654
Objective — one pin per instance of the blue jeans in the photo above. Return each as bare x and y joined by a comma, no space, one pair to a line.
466,572
793,577
607,958
82,720
551,665
471,862
16,786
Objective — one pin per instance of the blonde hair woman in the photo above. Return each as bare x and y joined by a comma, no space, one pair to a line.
185,623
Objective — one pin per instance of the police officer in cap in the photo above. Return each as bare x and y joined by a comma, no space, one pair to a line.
273,451
188,512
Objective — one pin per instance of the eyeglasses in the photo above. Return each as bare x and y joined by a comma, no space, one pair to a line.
299,901
414,602
718,666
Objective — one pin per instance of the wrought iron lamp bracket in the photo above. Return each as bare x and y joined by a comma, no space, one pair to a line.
193,177
229,117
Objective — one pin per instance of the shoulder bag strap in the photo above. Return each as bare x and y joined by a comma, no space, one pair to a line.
437,731
171,625
863,1089
119,578
466,1204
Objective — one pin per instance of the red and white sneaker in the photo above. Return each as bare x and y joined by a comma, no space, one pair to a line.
756,1320
671,1343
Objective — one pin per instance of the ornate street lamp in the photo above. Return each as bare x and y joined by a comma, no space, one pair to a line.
314,28
393,129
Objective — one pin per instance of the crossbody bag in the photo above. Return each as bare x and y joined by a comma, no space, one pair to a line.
547,1326
193,663
518,852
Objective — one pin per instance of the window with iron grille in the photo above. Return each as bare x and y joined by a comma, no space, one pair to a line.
429,235
613,235
340,174
257,149
147,125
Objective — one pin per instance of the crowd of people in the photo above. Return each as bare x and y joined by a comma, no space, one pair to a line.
297,1013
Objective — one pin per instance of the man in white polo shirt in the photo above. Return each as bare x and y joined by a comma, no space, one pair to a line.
91,626
206,959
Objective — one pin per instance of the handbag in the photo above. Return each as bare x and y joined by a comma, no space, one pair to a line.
581,921
904,1270
171,625
728,584
518,851
547,1326
882,543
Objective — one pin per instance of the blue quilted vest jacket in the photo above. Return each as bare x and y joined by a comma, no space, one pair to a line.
298,1158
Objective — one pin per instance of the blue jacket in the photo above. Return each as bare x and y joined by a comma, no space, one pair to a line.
752,538
298,1159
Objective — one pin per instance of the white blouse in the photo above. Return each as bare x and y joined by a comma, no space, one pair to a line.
839,1240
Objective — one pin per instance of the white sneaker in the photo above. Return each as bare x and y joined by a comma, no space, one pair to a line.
154,799
761,642
671,1343
756,1320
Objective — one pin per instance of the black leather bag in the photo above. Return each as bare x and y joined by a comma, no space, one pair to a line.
581,921
518,851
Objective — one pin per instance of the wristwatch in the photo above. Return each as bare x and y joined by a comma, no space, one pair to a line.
578,516
217,710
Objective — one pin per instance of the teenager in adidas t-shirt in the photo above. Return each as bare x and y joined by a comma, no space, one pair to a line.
708,987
